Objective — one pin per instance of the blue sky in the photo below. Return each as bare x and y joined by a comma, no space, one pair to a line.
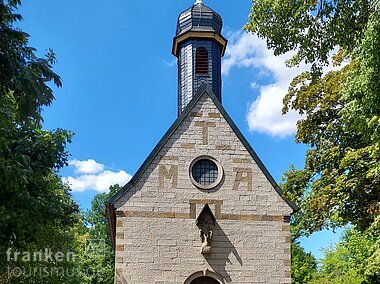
119,90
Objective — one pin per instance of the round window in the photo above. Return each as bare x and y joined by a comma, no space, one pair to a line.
205,172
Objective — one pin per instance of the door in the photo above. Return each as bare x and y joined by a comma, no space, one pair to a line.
204,280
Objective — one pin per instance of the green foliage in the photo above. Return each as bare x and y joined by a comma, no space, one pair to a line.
354,259
372,267
98,264
348,261
362,111
36,209
293,184
313,28
342,171
339,183
341,110
34,200
304,265
55,240
349,278
21,71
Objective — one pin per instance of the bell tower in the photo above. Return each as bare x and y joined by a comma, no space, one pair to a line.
199,47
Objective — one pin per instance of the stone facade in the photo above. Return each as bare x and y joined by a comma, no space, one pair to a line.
156,236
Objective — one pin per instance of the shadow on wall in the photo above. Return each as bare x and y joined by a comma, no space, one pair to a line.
222,253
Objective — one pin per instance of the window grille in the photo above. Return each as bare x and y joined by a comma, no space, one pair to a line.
205,172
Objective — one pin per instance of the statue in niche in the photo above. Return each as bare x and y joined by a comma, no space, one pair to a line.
206,242
206,222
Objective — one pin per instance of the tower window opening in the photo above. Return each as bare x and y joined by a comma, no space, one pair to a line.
201,62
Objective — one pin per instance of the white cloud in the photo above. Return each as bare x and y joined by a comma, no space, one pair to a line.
91,175
241,51
89,166
265,113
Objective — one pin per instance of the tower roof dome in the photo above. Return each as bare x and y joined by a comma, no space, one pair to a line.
199,21
199,17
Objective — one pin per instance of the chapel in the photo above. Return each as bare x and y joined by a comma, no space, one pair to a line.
202,208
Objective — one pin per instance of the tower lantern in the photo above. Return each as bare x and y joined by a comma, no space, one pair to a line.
199,47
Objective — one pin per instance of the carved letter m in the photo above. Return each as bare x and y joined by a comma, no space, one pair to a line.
172,174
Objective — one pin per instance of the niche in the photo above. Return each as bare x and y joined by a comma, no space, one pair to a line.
206,224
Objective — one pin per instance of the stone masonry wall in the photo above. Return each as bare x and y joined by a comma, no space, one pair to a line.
157,240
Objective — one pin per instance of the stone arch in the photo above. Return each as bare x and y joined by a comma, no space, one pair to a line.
204,274
204,280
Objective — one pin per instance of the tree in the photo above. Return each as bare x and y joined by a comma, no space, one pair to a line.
312,28
97,260
347,261
36,208
341,111
21,71
304,265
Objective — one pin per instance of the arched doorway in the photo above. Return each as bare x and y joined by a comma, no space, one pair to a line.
204,280
204,277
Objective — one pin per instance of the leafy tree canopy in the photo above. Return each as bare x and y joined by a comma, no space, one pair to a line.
313,28
341,109
36,209
340,123
21,70
348,261
304,265
99,264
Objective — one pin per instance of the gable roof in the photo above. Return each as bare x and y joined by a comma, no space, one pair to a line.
203,89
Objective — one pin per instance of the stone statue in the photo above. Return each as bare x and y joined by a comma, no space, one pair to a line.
206,241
